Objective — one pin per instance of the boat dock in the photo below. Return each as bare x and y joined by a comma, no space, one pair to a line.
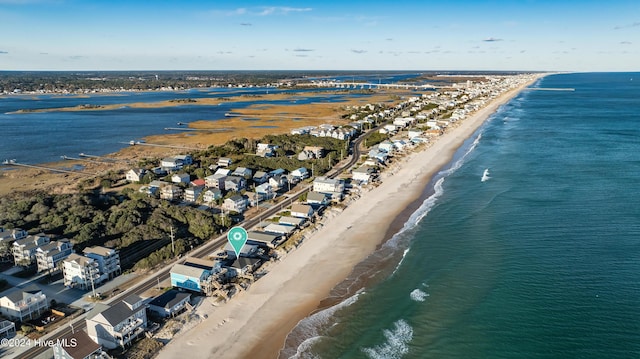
59,170
138,143
230,114
102,158
197,129
64,157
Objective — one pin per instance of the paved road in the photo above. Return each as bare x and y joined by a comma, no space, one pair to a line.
211,246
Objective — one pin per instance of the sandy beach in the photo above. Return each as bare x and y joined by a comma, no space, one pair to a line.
255,323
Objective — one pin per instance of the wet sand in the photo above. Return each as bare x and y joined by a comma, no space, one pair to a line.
255,323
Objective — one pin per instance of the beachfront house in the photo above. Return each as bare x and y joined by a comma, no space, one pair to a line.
279,229
191,274
378,155
414,133
49,255
317,199
248,250
363,174
170,303
330,186
243,266
263,239
117,325
291,221
77,345
20,304
301,211
386,146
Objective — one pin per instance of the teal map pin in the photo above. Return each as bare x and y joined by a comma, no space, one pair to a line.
237,237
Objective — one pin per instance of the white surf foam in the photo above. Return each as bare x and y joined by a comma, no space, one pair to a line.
303,349
309,327
396,344
485,175
418,295
404,254
428,203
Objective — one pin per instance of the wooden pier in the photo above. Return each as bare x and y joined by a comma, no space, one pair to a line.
59,170
230,114
197,129
138,143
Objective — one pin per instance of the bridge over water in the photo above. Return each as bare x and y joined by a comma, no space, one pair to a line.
369,85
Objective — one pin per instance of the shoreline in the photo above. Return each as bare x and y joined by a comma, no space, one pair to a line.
257,322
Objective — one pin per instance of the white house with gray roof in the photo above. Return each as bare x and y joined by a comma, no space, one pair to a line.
24,250
49,255
22,304
108,260
81,272
117,325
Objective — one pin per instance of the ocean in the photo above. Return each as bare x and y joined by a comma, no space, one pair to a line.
527,245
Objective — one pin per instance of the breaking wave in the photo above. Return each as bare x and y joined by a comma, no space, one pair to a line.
396,345
431,201
418,295
310,327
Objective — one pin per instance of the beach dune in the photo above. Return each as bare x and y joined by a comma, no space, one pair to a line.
255,323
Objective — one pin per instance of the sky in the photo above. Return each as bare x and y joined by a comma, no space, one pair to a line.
518,35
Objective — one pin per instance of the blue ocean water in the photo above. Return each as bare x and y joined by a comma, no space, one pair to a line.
541,259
